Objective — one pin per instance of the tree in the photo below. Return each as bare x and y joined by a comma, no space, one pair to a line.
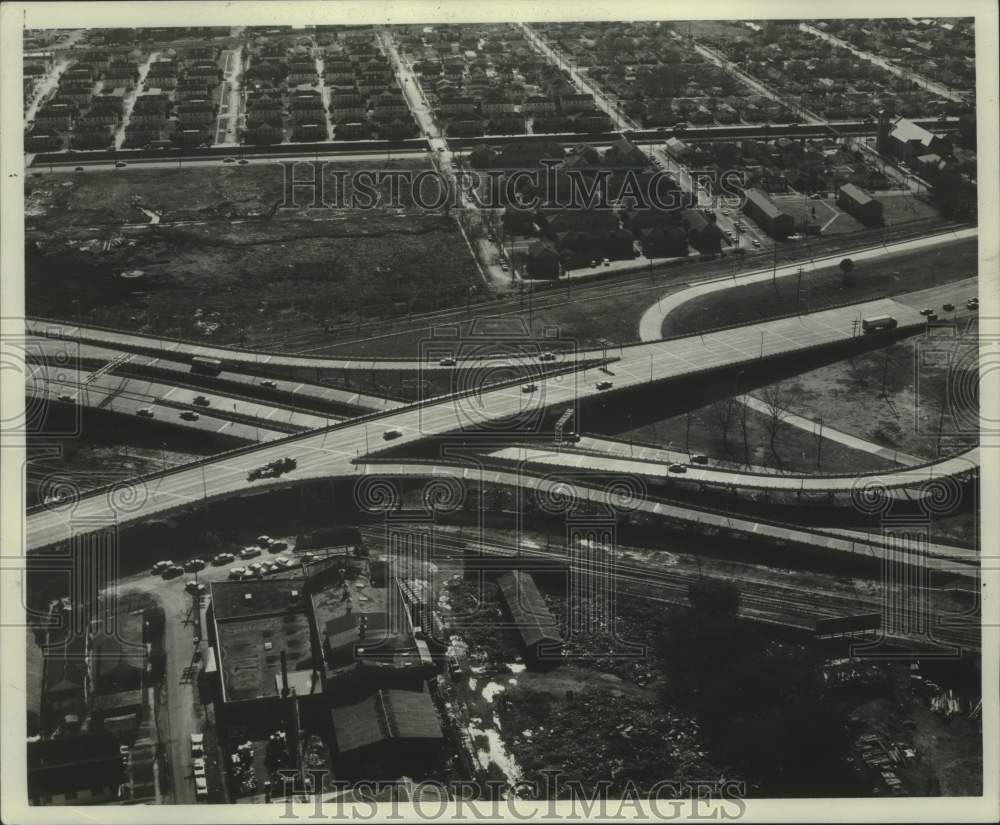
721,413
773,398
846,268
714,596
744,414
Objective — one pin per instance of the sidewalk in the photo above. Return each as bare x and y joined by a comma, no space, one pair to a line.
831,434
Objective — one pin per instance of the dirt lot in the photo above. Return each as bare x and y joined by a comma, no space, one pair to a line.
200,252
870,279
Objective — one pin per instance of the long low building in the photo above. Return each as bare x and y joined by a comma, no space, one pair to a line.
859,204
536,626
765,213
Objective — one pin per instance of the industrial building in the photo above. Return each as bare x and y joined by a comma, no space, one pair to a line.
856,202
765,213
536,626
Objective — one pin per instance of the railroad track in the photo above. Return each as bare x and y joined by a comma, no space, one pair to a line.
773,603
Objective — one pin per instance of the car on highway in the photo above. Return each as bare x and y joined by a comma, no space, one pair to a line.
698,458
144,412
67,399
948,307
120,164
229,160
389,435
237,573
755,242
972,303
249,552
547,356
201,401
927,311
528,388
271,385
815,196
677,468
446,362
191,565
188,415
243,161
223,558
603,385
195,588
78,169
173,571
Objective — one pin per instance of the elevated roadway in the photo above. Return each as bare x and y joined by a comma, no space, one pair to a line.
505,409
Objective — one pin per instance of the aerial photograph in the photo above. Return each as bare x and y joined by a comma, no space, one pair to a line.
500,412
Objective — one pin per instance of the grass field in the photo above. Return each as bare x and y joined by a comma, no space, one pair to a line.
906,272
222,261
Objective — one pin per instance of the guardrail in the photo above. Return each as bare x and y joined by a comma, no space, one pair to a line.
869,540
295,437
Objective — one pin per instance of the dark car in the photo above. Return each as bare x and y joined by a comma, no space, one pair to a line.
948,307
972,303
191,565
78,169
699,459
677,468
173,572
120,164
201,401
187,415
603,385
927,311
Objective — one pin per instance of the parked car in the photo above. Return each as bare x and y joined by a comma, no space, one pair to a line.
699,459
454,669
201,401
200,787
160,566
237,573
755,242
189,415
447,362
282,563
927,311
606,262
948,307
66,398
277,546
815,196
195,588
308,557
677,468
223,558
603,385
972,303
144,412
389,435
191,565
198,745
263,540
249,552
173,571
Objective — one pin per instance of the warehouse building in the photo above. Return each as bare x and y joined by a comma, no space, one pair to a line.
765,213
856,202
536,626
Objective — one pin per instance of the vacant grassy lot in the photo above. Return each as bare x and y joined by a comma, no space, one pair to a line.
906,272
223,262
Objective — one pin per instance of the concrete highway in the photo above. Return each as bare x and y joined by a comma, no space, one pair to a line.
52,352
651,324
253,362
696,476
504,408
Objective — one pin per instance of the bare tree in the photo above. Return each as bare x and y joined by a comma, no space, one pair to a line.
744,421
721,413
773,398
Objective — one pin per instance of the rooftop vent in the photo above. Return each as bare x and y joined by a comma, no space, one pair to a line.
247,596
268,645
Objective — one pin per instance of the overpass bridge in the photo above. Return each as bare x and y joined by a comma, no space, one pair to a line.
511,409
